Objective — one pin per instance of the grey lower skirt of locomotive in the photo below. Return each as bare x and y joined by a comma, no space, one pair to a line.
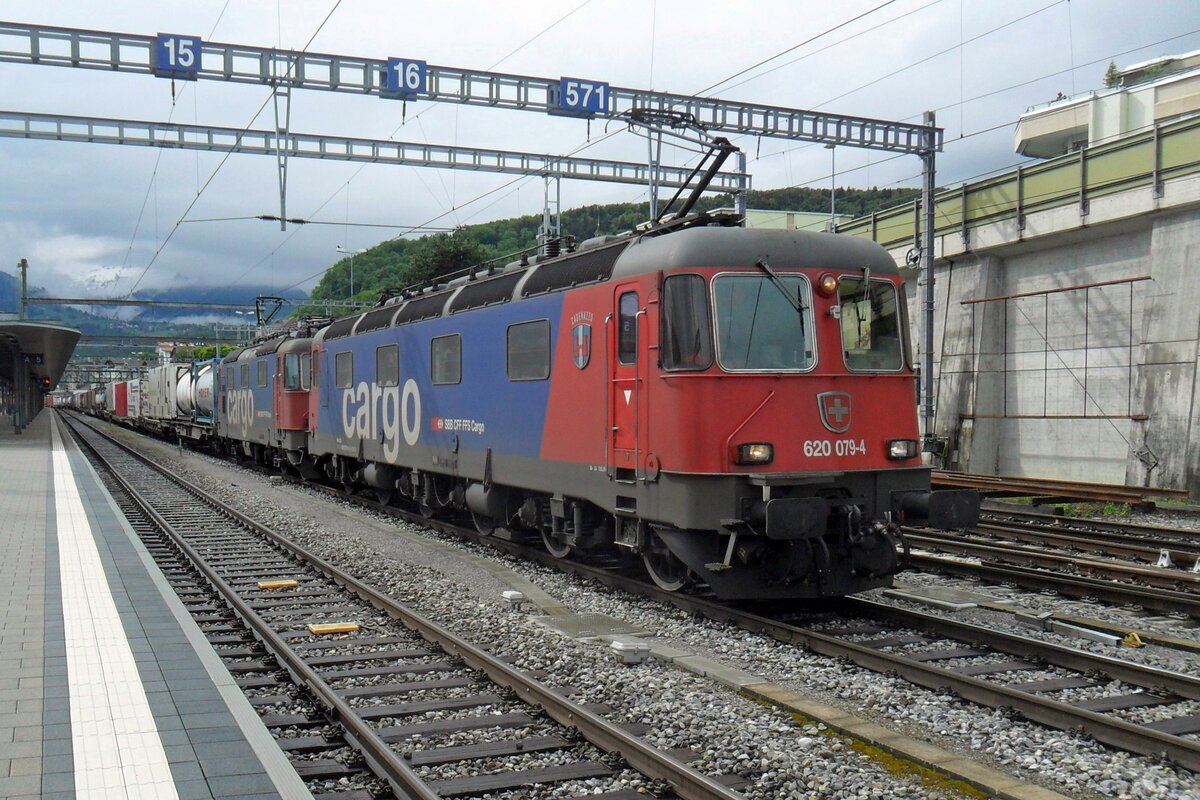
819,536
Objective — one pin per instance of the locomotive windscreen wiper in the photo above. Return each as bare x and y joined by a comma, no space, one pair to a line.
794,302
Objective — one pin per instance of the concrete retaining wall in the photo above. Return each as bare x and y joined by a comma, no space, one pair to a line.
1102,385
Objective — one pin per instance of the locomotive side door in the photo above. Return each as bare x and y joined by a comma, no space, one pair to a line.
624,394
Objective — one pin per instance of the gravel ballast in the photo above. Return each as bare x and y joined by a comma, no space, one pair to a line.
733,736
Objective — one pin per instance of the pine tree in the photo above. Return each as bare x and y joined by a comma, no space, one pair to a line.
1112,75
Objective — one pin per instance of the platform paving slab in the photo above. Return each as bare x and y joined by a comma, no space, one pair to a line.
58,515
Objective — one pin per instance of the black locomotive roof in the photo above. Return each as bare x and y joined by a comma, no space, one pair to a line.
270,347
300,345
232,355
622,256
741,247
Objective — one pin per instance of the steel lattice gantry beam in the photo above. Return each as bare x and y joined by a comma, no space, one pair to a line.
103,301
15,124
233,63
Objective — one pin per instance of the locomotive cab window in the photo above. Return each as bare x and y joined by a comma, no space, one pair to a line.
343,367
291,371
262,373
305,371
870,317
316,368
627,309
529,351
763,325
245,377
687,327
387,365
445,361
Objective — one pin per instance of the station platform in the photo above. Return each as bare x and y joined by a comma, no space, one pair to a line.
108,689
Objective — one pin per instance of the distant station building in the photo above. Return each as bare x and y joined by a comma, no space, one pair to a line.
33,356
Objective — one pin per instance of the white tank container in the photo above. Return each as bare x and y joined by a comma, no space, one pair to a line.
202,391
183,394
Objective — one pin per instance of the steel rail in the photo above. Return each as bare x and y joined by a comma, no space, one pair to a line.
1109,730
688,783
384,761
1119,493
1106,543
1087,525
953,543
1180,683
1161,600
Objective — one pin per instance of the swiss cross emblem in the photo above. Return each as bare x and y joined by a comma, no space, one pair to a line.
581,338
835,410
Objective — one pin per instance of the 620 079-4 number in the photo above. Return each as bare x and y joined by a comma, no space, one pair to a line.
815,448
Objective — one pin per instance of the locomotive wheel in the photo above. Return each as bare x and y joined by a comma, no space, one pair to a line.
667,571
554,547
385,496
483,523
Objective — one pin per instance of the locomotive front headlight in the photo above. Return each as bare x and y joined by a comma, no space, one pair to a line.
827,284
898,449
755,453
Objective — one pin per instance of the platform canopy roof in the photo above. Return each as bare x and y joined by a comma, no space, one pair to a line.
44,346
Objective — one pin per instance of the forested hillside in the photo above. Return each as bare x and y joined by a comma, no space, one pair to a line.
398,263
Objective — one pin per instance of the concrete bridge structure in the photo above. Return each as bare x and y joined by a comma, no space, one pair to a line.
1067,333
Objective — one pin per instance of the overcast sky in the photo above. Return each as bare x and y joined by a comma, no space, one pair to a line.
73,209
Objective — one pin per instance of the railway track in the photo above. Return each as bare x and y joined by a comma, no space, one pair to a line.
1164,601
399,697
999,543
1038,680
1121,540
998,485
999,552
978,664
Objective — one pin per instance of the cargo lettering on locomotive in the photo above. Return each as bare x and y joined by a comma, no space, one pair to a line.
372,411
240,409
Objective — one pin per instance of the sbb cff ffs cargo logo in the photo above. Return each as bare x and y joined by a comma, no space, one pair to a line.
835,410
581,336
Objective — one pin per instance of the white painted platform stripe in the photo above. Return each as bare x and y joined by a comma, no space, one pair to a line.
118,752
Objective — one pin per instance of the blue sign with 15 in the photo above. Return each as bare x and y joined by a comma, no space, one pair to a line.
176,56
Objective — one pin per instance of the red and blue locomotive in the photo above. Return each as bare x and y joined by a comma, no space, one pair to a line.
735,407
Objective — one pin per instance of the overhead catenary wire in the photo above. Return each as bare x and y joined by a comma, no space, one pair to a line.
393,134
221,163
158,156
990,129
798,45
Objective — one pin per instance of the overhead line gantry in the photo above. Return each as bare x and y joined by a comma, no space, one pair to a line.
191,58
187,57
101,130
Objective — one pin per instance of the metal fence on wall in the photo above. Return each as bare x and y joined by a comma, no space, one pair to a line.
1147,159
1075,344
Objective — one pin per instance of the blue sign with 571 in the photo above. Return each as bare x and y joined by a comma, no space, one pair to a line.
582,97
